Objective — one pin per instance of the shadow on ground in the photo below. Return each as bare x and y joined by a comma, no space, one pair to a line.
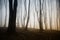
29,35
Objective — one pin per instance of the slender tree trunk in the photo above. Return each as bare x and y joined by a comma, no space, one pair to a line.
28,15
59,13
6,12
25,12
40,21
51,19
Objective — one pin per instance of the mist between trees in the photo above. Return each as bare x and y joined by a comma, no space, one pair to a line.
36,14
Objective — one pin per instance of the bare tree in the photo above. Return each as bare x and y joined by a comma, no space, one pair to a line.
58,14
6,12
45,17
51,18
36,12
1,12
40,18
28,14
40,21
25,13
12,16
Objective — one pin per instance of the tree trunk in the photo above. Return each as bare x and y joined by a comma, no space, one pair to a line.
28,15
6,13
40,21
12,16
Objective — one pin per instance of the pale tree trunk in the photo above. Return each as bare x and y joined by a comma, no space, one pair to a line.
45,17
6,12
58,14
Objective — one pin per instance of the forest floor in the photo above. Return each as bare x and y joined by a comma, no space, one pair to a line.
29,35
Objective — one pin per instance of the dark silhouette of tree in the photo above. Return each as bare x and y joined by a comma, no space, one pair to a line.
12,16
40,21
59,3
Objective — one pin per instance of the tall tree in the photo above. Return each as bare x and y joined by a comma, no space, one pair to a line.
25,12
59,13
12,16
51,18
40,21
6,12
45,17
1,12
28,14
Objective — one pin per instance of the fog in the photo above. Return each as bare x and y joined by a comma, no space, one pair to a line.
50,14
